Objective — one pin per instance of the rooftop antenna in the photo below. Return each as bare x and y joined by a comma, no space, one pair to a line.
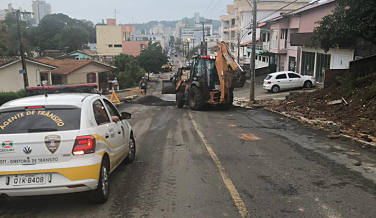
115,14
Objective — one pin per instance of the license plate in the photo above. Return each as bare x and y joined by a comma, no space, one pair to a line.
30,179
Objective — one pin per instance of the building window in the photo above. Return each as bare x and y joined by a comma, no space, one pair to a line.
91,78
118,46
308,62
110,46
263,59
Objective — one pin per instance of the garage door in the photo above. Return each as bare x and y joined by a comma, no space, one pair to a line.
341,61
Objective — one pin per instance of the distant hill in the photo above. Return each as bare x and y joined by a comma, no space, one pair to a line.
147,26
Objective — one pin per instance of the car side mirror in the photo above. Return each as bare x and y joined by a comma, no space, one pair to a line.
126,115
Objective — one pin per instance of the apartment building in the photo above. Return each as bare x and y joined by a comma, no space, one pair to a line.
291,41
115,39
40,10
237,23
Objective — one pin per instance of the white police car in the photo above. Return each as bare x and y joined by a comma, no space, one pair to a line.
62,143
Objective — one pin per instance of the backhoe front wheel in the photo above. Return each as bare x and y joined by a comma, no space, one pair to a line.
179,100
196,98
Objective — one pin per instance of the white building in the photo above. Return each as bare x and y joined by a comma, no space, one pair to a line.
236,24
3,13
40,9
157,30
178,28
161,39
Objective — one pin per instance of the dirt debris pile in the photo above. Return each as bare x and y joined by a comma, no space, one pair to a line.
354,113
151,100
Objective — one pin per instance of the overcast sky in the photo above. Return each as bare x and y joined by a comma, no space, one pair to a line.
141,10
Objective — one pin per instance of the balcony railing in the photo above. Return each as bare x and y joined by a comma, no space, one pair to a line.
291,47
265,46
245,60
283,44
274,44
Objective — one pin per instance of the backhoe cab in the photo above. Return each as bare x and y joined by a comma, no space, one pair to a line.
211,81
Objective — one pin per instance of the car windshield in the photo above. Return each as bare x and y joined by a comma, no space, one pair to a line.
47,120
268,77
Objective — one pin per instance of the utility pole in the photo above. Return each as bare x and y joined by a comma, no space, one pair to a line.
22,53
204,52
239,46
204,48
253,55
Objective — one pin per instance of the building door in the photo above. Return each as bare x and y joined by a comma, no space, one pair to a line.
308,62
322,64
292,64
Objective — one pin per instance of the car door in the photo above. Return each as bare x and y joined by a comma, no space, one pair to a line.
107,129
121,132
282,81
295,80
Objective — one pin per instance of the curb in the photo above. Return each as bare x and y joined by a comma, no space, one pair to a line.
305,120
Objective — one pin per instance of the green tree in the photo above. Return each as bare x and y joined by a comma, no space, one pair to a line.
128,70
152,58
57,31
351,19
74,37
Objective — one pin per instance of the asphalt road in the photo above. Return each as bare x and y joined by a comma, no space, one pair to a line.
249,163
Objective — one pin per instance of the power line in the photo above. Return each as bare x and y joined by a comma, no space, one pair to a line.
208,7
270,14
249,4
214,7
314,2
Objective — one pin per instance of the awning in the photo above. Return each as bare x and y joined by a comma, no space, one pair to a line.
257,51
248,42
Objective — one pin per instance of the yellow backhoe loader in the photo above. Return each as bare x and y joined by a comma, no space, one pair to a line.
211,81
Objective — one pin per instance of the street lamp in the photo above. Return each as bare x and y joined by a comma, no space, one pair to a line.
188,40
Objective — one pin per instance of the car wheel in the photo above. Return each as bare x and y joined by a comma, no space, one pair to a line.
307,84
132,151
101,194
275,89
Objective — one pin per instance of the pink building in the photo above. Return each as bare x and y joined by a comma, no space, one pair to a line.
134,47
291,42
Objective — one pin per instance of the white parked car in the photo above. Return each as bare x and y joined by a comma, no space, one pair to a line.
62,143
275,82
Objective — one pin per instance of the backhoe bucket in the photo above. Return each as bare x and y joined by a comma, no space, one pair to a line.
168,87
235,79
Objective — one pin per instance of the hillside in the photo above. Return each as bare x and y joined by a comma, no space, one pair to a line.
172,24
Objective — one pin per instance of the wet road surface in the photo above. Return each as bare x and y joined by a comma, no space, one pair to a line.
233,163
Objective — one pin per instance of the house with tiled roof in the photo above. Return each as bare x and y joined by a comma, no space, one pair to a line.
52,72
77,71
84,54
11,79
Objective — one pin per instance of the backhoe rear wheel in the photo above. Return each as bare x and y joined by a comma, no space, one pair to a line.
196,98
227,106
